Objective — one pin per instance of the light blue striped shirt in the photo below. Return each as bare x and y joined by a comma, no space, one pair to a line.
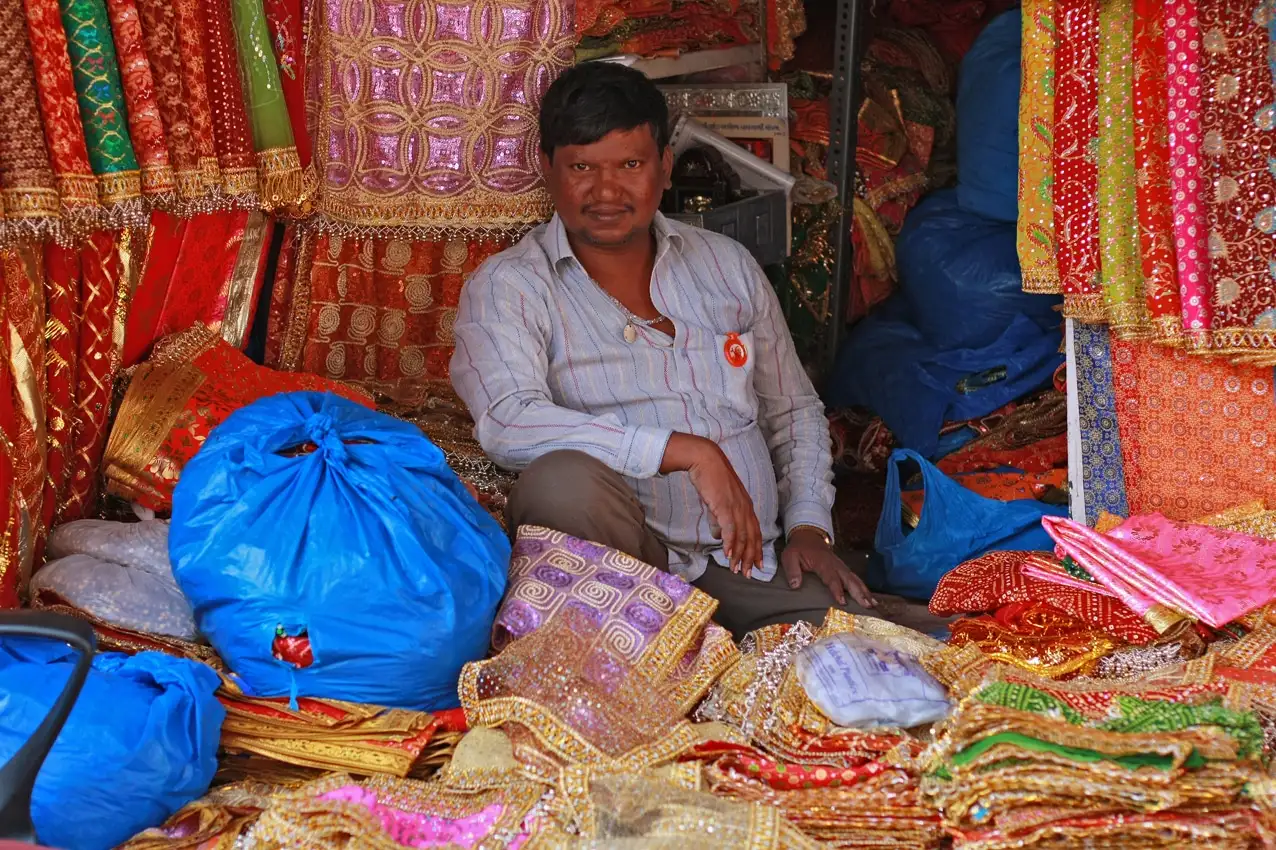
541,361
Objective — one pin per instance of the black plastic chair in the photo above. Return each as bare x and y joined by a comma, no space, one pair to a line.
17,777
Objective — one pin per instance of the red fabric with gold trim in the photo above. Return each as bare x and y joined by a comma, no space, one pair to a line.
146,307
59,108
1076,184
189,25
95,372
1152,155
62,331
992,581
224,381
23,293
280,296
146,128
159,36
284,17
205,264
235,153
10,507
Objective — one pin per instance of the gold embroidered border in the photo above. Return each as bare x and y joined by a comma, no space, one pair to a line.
1087,308
560,739
30,202
154,400
283,182
710,666
365,759
239,181
296,322
158,179
1043,281
242,285
674,640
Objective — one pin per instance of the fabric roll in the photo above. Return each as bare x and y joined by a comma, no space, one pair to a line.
235,156
1076,106
146,128
1152,161
278,164
1238,146
1119,263
28,190
102,111
159,32
1035,236
189,24
1182,48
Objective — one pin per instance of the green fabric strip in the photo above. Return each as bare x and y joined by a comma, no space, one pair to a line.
267,109
1119,260
97,86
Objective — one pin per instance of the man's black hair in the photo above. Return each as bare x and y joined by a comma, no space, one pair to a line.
592,99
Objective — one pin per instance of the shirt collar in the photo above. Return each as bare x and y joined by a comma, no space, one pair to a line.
559,249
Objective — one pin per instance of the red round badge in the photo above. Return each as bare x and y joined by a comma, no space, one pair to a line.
736,353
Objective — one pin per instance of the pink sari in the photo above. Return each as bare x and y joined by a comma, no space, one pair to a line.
1182,47
1209,574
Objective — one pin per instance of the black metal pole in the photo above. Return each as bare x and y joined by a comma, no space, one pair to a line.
841,165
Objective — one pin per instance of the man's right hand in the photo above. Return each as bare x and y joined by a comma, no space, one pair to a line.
723,493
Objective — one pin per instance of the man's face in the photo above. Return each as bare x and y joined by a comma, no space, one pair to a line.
607,193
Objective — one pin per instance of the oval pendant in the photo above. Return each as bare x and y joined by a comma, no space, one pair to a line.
631,333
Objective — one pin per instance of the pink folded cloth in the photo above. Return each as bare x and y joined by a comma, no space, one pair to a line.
1208,574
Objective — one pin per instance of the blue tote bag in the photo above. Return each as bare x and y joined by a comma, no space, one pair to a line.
956,525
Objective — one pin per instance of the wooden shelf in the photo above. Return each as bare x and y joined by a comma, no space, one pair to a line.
694,62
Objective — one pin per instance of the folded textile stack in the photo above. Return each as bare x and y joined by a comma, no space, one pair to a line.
1031,763
662,27
329,735
848,787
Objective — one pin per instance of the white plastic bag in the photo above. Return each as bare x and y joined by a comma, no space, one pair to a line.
140,545
118,572
863,683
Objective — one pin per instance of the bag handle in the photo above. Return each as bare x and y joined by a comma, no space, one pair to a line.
17,777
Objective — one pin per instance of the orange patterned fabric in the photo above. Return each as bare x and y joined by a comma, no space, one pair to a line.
1003,486
375,312
997,579
1198,434
192,382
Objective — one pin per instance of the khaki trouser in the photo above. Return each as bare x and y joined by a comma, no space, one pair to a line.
576,494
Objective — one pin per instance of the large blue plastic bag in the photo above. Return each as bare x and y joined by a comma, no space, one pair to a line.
960,274
889,367
140,743
988,120
369,545
956,525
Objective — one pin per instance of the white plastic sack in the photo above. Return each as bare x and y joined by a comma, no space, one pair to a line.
120,573
863,683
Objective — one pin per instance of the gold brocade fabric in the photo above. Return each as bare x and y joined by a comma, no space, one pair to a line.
1035,238
213,822
635,812
583,703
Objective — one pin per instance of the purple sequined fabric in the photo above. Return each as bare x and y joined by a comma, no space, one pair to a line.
628,601
427,111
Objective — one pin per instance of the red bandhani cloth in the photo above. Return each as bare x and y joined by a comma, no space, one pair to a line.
1152,155
991,581
1076,184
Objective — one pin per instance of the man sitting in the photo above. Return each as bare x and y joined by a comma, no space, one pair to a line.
640,374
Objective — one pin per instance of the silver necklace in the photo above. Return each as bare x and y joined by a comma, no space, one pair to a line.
632,322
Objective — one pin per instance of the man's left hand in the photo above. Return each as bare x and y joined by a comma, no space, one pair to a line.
808,552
